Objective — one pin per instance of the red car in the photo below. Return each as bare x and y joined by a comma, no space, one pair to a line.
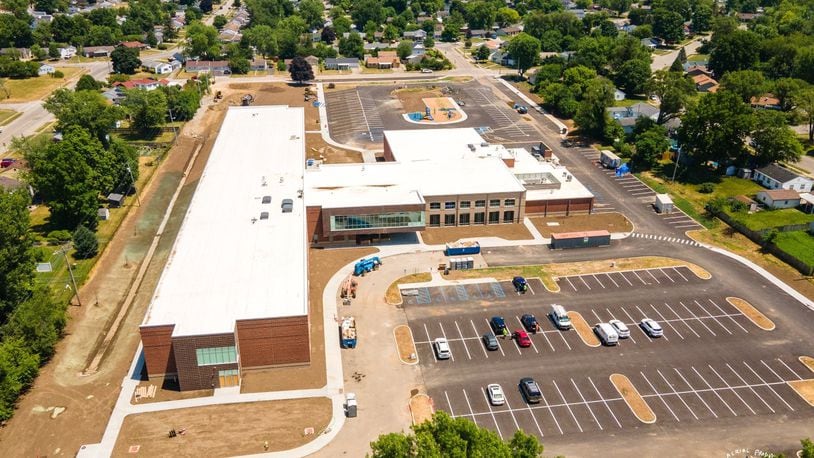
522,338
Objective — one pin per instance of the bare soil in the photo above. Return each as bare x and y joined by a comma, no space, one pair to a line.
412,99
439,107
633,399
586,333
322,265
393,295
405,343
441,235
280,94
167,390
225,430
805,388
611,222
807,362
759,319
317,148
421,408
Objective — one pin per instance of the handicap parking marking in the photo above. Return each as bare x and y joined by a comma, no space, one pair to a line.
497,289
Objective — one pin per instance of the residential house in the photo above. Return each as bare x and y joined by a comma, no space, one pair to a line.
779,198
415,35
145,84
41,16
67,52
478,33
177,23
417,53
159,68
229,35
774,176
651,43
259,65
133,45
97,51
215,67
807,202
17,53
697,66
619,95
45,69
748,17
341,63
175,64
766,102
704,83
510,31
316,36
376,45
627,116
386,59
312,61
751,205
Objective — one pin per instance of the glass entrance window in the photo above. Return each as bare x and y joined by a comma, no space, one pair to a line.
508,216
494,217
449,220
480,218
377,221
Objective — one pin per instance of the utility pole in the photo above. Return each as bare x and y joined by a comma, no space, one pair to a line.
678,158
174,130
133,184
70,272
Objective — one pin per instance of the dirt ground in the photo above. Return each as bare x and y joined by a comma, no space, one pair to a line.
225,430
89,400
755,315
317,148
612,222
583,329
421,408
322,264
633,399
281,94
405,343
441,235
807,362
439,108
412,99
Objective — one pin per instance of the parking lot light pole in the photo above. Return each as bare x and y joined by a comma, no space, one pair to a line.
133,184
678,158
64,252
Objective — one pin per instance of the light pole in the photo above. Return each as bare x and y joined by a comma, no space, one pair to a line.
174,130
678,158
64,252
133,184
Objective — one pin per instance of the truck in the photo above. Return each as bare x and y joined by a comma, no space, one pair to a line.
366,265
462,248
541,150
609,160
347,332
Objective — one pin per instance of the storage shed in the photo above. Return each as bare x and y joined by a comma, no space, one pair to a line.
585,239
115,200
663,204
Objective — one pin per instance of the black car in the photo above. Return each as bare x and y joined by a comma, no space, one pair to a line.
520,284
531,392
490,341
529,322
498,325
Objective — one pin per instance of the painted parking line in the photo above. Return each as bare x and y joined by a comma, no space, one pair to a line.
586,404
567,405
449,404
790,369
482,347
469,406
696,317
640,327
625,277
666,321
491,412
511,412
429,339
654,277
569,282
731,318
612,280
530,339
676,393
466,347
634,321
682,320
762,380
657,393
640,278
613,318
452,357
714,391
679,273
551,412
597,280
697,394
605,402
714,318
584,283
732,390
751,388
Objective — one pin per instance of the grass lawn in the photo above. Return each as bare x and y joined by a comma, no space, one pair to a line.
698,58
798,244
28,89
6,116
375,70
768,219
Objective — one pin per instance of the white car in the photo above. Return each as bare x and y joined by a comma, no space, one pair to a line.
495,393
621,328
426,70
652,328
442,349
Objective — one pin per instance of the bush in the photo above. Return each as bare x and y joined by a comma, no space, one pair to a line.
737,206
706,188
715,206
57,237
468,43
162,46
281,65
85,243
57,74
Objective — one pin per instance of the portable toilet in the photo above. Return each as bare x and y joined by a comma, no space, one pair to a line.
664,204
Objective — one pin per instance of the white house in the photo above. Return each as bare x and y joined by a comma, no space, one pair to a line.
619,95
159,68
779,198
45,69
774,176
67,52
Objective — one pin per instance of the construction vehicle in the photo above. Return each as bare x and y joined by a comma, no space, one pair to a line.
348,290
347,332
247,100
350,405
366,265
218,95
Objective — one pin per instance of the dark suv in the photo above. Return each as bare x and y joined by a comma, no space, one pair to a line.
530,390
529,322
520,284
498,325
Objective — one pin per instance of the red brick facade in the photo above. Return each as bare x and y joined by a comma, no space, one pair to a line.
190,375
158,355
559,207
273,342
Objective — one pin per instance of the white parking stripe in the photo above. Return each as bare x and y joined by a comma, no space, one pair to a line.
732,319
445,336
583,282
569,282
636,324
491,412
551,411
682,320
773,372
714,391
563,339
482,346
611,279
511,412
533,417
679,273
586,404
640,278
790,369
732,390
613,318
664,336
676,393
598,319
429,339
625,277
597,280
469,406
659,396
451,412
696,393
714,318
768,386
466,347
666,321
696,317
499,346
668,277
605,402
530,339
750,387
567,405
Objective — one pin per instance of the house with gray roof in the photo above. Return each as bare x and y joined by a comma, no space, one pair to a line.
627,116
774,176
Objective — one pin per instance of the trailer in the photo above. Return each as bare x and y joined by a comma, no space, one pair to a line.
347,332
609,160
585,239
462,248
366,265
663,203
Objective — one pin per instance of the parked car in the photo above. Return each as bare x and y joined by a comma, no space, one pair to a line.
529,322
490,341
520,284
560,317
442,350
606,333
530,390
460,103
522,109
522,337
652,328
496,396
498,325
7,162
426,70
621,328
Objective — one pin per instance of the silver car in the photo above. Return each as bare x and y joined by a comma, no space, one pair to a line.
621,328
652,328
495,393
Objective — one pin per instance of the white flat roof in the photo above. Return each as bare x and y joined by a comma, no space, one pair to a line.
415,145
228,263
570,188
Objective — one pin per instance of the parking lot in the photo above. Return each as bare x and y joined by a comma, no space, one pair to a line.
353,118
580,404
497,292
625,279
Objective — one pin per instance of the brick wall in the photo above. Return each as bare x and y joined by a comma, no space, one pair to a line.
273,341
158,355
190,375
559,207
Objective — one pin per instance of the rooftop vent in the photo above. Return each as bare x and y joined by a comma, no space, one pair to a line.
263,181
471,146
264,215
266,199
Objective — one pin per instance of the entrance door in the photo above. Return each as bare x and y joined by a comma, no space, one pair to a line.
229,377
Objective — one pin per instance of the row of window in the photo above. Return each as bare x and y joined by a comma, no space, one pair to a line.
380,220
216,355
465,219
450,205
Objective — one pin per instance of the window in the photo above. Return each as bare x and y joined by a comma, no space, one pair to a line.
508,216
216,355
435,220
463,219
466,203
480,218
380,220
449,205
494,202
449,220
494,217
508,203
266,199
480,203
435,205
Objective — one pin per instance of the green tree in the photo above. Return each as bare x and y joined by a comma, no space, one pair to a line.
352,46
668,25
744,83
701,17
591,116
311,11
674,91
773,140
37,52
506,16
482,53
738,50
263,39
301,70
429,42
86,109
404,49
328,35
808,448
525,50
16,256
633,75
649,147
219,21
805,105
182,103
717,128
365,11
87,83
202,41
53,50
85,243
125,60
38,322
578,78
147,109
205,6
560,99
18,368
480,14
239,65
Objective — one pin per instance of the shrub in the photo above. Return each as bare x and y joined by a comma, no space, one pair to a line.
737,206
57,237
85,243
715,206
706,188
57,74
